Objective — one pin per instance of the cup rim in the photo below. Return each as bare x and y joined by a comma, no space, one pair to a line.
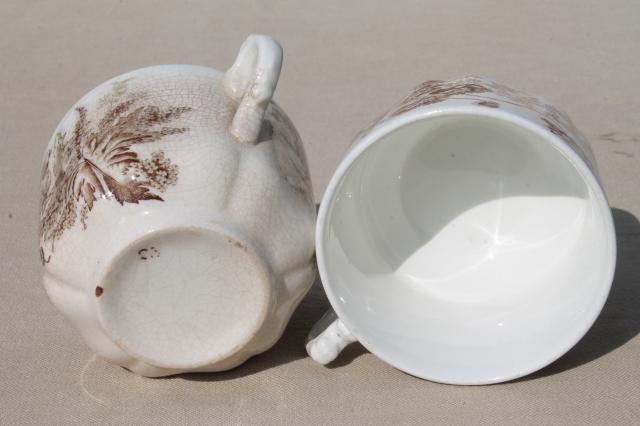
376,134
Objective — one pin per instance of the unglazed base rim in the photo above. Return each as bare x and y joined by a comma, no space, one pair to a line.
219,232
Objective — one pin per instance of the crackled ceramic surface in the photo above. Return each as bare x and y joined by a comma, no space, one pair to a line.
177,215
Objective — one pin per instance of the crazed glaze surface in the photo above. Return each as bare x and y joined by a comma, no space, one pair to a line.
169,153
95,159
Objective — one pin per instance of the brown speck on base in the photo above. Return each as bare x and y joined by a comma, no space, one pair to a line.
99,291
240,246
10,216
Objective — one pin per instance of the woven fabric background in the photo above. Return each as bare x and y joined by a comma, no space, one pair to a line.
345,63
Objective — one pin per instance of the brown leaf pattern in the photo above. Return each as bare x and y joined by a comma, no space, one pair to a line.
97,161
490,94
433,91
289,153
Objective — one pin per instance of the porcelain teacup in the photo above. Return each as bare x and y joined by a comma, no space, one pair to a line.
177,215
465,238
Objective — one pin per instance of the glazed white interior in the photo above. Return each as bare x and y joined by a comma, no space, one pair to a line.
466,249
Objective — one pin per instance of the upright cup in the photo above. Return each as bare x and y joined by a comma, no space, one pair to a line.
465,238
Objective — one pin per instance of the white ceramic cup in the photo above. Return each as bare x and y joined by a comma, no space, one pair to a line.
465,237
177,215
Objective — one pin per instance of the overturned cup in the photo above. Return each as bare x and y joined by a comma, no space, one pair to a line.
177,216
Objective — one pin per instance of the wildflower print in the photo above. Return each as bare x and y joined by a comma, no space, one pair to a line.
487,93
96,160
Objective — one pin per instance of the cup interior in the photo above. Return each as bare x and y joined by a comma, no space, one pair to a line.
465,248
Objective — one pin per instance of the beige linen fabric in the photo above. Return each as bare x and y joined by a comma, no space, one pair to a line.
345,63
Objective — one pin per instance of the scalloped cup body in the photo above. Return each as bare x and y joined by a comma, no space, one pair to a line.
180,249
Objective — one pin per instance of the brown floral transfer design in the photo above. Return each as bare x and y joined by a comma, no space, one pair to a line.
433,91
97,160
490,94
289,152
490,104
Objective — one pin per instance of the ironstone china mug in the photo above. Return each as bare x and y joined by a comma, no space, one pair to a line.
465,237
177,215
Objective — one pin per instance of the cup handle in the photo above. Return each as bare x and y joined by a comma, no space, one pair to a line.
250,82
328,337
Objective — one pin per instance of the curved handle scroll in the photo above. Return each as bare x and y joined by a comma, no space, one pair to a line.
328,338
251,81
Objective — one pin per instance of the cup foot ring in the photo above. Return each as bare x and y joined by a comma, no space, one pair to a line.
184,297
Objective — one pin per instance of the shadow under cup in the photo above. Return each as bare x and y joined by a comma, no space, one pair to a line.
467,249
